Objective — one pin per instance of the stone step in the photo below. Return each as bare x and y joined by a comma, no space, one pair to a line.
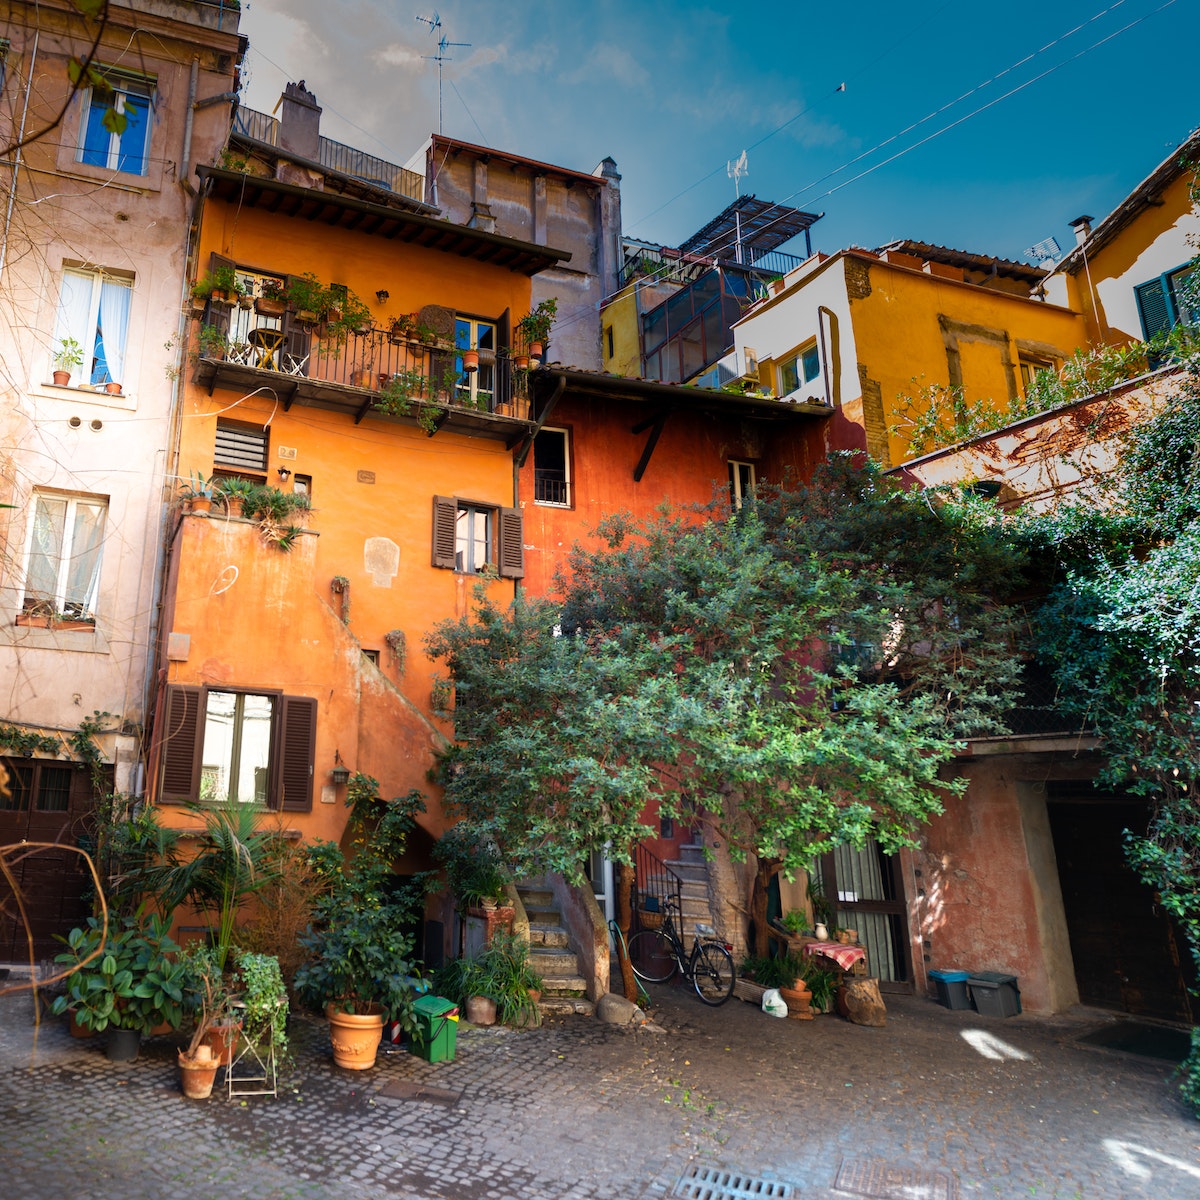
692,855
566,1006
687,870
550,962
565,985
541,897
547,935
541,914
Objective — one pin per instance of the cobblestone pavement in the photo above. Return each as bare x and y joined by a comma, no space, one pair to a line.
578,1110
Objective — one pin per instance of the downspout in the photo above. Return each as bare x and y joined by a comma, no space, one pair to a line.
830,356
16,170
185,157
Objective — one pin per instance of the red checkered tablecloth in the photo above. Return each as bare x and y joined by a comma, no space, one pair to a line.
845,956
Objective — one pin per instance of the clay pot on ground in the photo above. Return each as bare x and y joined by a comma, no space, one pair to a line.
197,1075
481,1010
799,1001
221,1040
355,1038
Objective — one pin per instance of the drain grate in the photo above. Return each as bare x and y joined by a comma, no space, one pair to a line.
713,1183
404,1089
882,1181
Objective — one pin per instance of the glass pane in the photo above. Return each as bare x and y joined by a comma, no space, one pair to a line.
462,336
54,789
219,740
486,335
811,362
96,138
254,761
135,138
20,784
83,571
789,377
45,553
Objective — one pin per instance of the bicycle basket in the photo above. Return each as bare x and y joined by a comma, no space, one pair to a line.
650,919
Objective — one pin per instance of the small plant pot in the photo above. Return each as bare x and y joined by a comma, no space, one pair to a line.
536,349
73,1026
113,389
269,308
521,362
123,1045
362,379
197,1075
233,506
470,361
306,316
62,378
481,1010
199,504
221,1040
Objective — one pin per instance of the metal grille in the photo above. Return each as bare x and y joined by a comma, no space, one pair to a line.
882,1181
714,1183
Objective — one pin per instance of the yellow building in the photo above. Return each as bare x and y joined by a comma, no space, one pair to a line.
876,334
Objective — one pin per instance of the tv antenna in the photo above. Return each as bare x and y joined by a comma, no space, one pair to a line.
1045,253
735,171
444,44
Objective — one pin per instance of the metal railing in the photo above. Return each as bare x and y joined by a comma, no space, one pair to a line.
657,886
551,487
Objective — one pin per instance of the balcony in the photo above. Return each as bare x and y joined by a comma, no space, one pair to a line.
372,372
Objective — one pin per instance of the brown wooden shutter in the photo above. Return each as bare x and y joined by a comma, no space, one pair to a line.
511,549
293,776
504,380
181,741
216,261
445,514
297,338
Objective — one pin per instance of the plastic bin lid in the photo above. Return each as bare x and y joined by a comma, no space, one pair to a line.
949,976
991,979
434,1006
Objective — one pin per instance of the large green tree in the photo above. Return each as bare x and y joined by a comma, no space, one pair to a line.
797,673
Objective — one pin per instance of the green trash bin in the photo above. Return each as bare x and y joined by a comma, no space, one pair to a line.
437,1029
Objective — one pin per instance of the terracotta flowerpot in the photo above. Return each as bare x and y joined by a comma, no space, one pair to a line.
355,1038
221,1041
62,378
470,360
798,1001
481,1010
74,1028
200,504
521,362
535,349
269,308
233,506
113,389
197,1075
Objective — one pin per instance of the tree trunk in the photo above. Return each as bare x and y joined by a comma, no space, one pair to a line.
758,905
624,921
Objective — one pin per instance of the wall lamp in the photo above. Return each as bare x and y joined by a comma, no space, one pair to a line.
382,295
283,474
340,773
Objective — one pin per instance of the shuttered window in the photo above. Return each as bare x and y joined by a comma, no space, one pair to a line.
241,447
1165,301
467,536
217,744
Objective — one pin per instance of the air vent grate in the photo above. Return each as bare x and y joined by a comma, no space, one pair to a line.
715,1183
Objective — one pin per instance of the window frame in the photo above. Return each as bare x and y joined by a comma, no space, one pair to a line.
507,545
567,481
1164,289
124,84
96,368
737,491
32,610
467,389
179,746
797,362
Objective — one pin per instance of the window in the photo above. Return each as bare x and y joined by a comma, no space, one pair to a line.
241,447
93,309
227,744
741,482
475,388
1031,368
608,340
552,467
115,129
38,787
468,535
62,564
371,656
801,368
1166,301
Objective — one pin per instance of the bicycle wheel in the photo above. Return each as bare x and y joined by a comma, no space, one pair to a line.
712,972
652,956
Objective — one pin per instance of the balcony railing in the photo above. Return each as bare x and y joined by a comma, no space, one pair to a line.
551,487
407,374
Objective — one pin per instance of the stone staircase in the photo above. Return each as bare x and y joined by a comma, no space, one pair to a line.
551,956
692,868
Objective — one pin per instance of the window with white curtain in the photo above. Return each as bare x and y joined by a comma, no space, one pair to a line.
62,564
93,310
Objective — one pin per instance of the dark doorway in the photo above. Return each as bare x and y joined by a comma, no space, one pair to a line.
1128,955
47,801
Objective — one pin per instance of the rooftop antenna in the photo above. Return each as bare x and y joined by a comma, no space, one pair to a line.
735,171
444,44
1045,253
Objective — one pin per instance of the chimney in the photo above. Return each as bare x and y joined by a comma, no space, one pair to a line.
1083,229
300,122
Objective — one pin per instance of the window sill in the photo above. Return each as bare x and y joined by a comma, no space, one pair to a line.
124,401
553,504
33,621
86,640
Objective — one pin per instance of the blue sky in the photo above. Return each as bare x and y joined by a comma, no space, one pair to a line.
674,91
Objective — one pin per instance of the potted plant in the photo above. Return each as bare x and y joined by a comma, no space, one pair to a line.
67,357
402,329
362,372
236,494
498,984
133,985
360,975
271,300
197,492
211,342
534,326
261,1001
208,1002
307,297
222,286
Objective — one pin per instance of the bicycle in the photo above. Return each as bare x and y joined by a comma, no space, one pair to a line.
658,954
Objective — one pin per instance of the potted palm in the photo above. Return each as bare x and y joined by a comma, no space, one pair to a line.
67,357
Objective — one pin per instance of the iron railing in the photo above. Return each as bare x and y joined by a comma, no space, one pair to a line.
656,887
551,487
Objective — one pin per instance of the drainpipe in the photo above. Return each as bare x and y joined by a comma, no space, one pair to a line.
185,158
832,381
12,191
